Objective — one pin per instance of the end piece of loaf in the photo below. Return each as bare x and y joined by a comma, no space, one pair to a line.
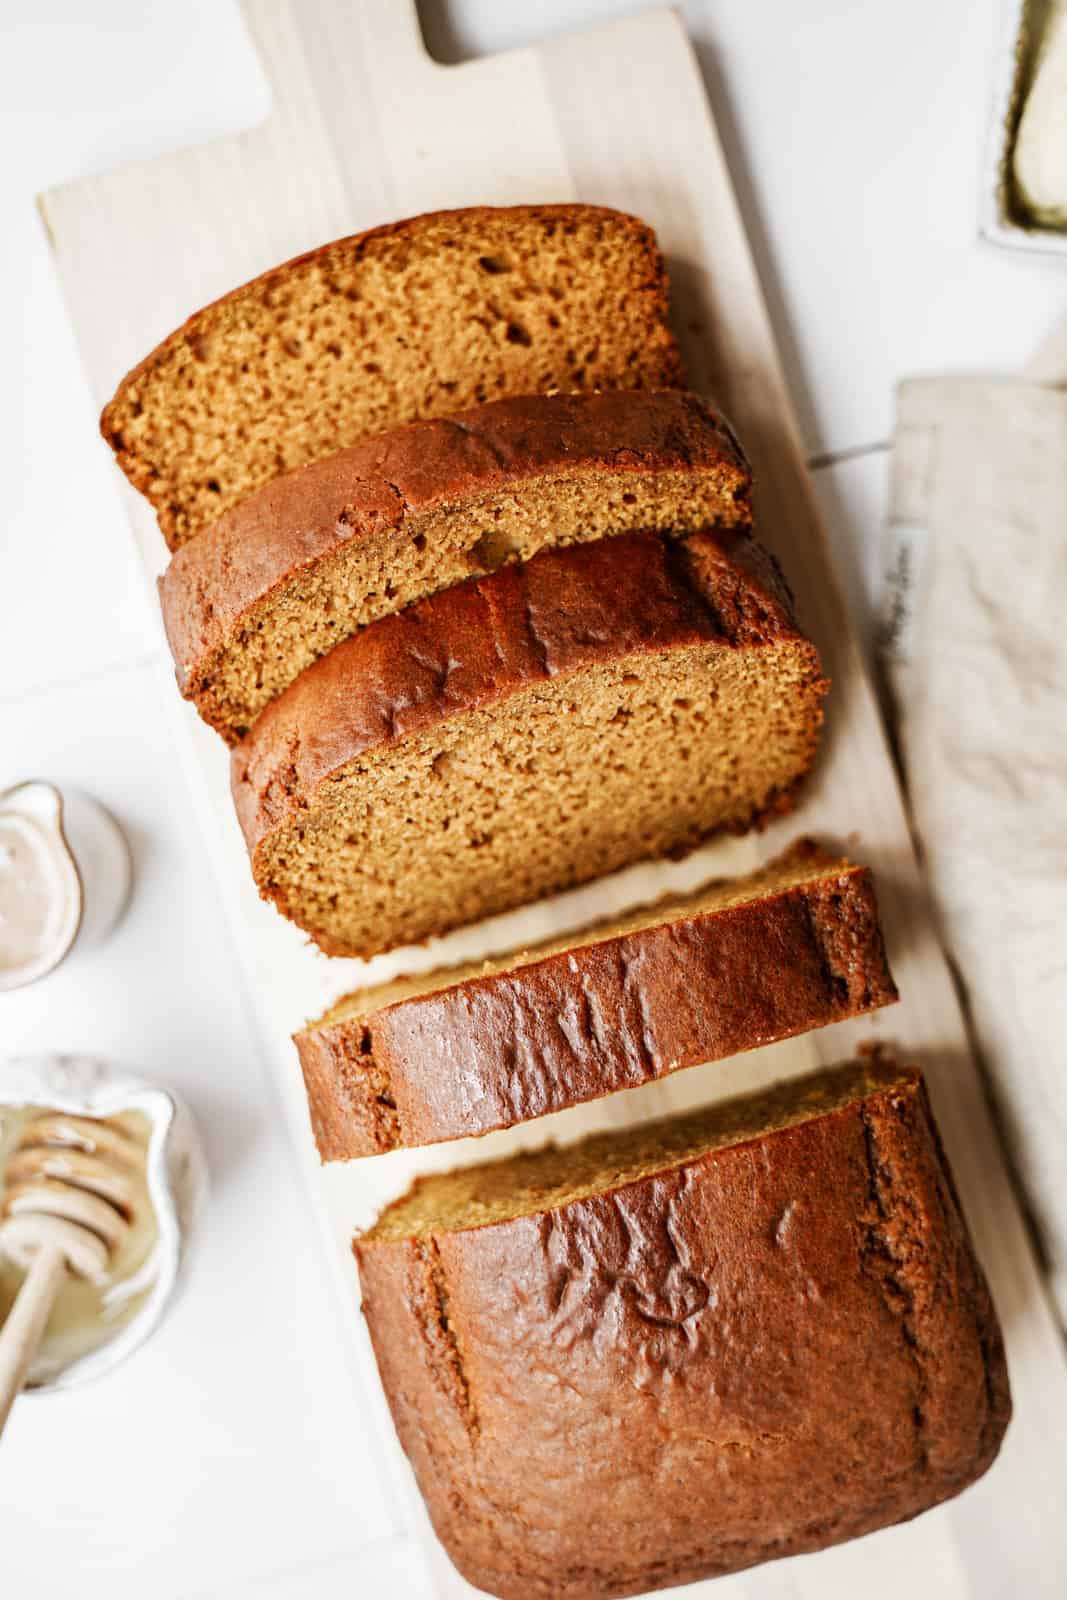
674,1352
315,555
518,734
700,977
415,319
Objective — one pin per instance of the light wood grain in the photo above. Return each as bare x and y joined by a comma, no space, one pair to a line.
364,128
24,1325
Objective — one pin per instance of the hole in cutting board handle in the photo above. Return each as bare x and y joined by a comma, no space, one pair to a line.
444,39
454,31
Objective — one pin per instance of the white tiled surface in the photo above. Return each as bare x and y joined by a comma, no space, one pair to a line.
228,1439
219,1462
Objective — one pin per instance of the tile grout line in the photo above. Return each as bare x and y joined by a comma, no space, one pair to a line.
79,680
378,1545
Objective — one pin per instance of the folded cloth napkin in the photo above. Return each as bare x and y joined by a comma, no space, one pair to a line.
975,640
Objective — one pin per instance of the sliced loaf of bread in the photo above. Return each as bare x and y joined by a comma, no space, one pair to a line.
695,978
675,1351
314,556
415,319
523,732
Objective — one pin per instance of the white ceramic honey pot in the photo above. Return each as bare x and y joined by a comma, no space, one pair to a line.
101,1177
64,877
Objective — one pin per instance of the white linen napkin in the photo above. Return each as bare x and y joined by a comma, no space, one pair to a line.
975,642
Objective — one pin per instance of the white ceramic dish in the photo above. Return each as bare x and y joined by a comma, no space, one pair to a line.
999,222
176,1176
80,866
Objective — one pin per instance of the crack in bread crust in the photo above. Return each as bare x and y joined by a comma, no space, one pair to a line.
885,1256
430,1291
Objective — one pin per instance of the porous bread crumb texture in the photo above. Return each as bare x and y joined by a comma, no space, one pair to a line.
565,781
379,573
555,1176
803,863
412,320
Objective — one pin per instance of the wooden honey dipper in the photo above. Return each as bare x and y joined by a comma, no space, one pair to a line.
69,1196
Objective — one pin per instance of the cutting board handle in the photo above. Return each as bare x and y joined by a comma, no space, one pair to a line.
398,40
393,45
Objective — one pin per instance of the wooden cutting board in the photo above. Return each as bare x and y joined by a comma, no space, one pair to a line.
366,128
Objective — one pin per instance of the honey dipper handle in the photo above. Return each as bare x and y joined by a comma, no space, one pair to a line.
26,1321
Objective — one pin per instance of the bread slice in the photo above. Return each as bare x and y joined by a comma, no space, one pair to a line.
316,555
697,977
676,1351
527,731
411,320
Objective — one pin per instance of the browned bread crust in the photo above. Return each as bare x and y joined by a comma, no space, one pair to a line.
225,584
767,1349
148,456
586,1018
478,645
